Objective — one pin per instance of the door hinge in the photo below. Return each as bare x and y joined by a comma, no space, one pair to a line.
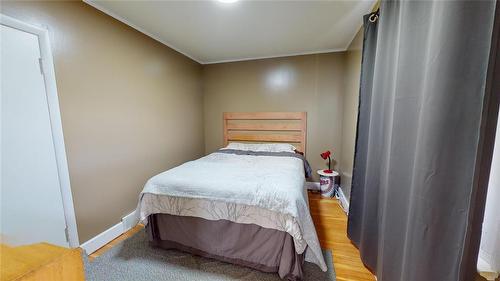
40,63
66,232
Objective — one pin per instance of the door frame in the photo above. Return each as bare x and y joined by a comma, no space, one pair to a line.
486,144
49,77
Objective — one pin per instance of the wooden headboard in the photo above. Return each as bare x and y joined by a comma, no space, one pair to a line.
265,127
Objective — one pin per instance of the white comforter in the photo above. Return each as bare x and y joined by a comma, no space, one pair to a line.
264,190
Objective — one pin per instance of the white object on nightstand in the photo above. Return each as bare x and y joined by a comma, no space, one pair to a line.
327,183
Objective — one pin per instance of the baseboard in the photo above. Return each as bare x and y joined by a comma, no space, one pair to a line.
126,223
343,201
310,185
129,221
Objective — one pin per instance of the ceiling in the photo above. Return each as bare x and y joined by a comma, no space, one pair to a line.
211,31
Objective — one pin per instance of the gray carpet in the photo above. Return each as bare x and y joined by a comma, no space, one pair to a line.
134,259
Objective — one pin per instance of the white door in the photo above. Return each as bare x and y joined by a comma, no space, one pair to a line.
489,252
31,200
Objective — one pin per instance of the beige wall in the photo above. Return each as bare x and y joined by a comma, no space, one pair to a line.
130,107
350,107
312,83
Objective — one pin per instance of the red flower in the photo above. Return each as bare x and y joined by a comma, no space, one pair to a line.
325,154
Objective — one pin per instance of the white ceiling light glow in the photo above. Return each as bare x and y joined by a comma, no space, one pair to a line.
214,31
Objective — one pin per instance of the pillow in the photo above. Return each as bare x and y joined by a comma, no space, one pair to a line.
264,147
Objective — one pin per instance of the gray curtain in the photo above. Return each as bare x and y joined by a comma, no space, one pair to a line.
421,95
363,212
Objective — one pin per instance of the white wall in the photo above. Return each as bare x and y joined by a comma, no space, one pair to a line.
490,241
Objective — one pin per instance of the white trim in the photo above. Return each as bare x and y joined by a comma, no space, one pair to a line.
310,185
55,121
102,239
125,21
361,25
354,36
129,221
278,56
343,201
126,223
119,18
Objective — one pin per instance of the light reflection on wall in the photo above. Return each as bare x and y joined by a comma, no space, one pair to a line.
280,78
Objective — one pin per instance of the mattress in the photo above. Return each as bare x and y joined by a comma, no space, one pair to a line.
265,189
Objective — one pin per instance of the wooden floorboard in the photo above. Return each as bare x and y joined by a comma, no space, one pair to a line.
331,225
117,240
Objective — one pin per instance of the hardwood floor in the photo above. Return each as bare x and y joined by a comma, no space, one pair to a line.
487,276
331,225
40,261
117,240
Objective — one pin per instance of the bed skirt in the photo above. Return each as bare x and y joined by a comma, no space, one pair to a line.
249,245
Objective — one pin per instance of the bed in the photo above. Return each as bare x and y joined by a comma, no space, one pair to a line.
245,203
